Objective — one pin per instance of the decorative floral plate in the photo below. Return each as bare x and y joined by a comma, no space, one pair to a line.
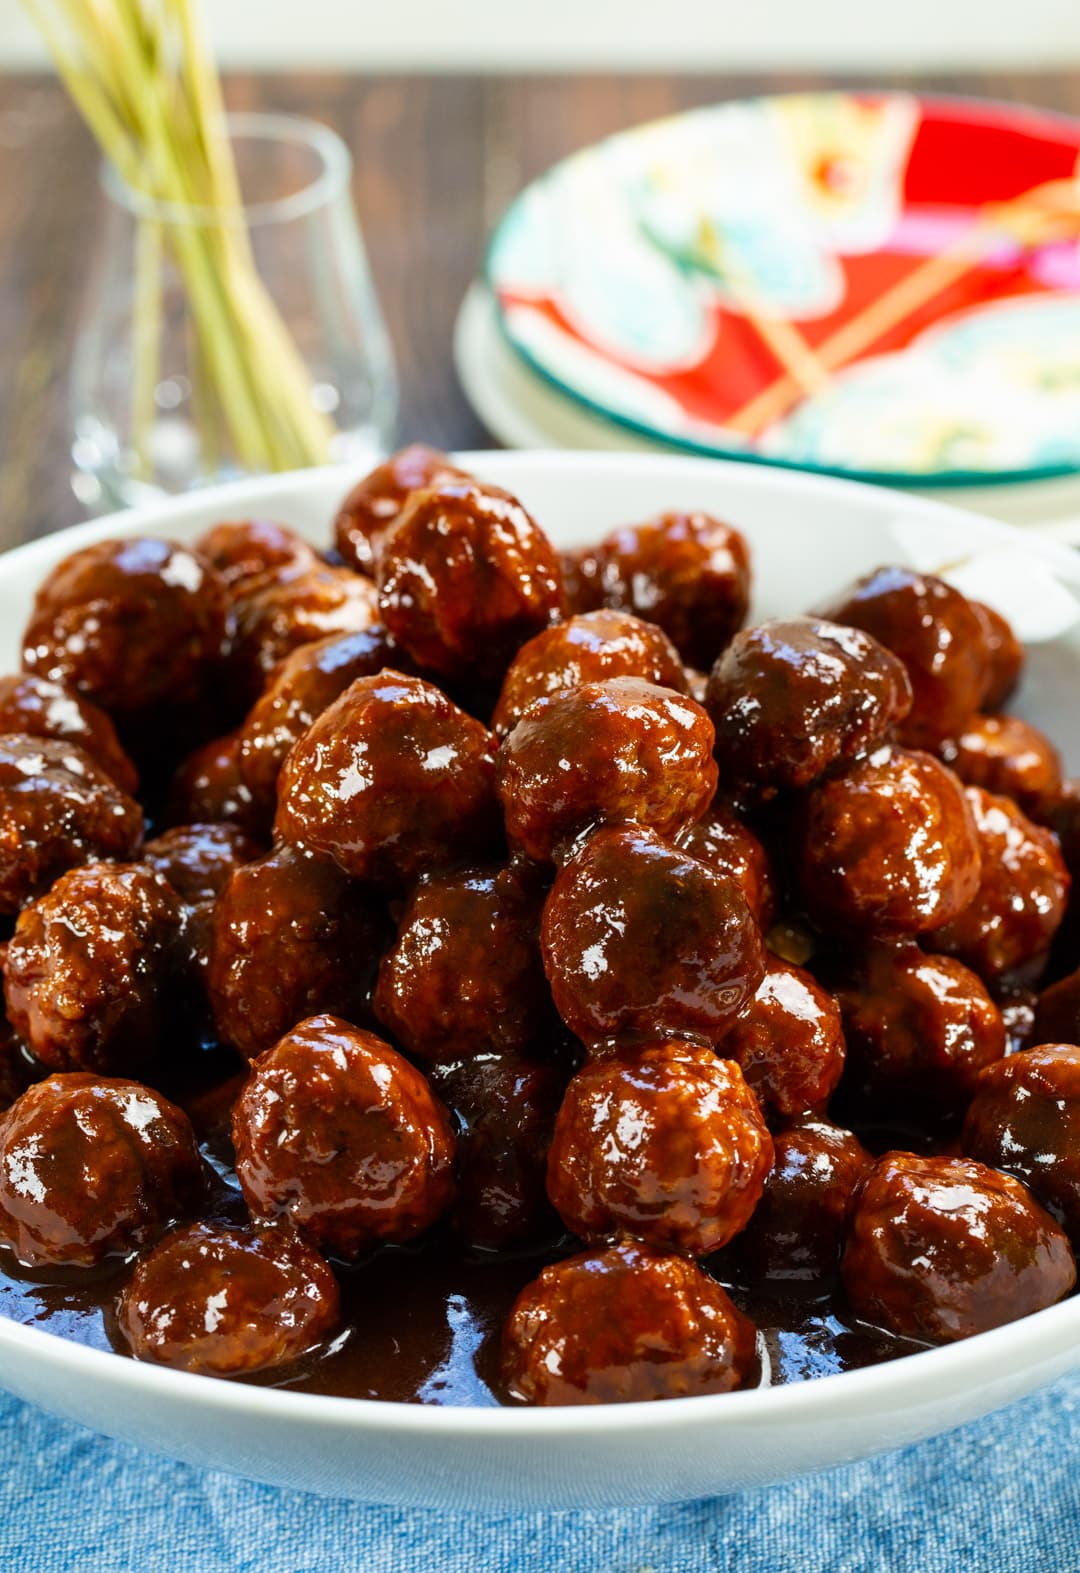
876,284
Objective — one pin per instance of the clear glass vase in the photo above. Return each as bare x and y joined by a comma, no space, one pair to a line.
192,366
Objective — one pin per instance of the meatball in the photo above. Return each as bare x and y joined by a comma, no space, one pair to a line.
505,1107
278,619
391,781
227,1301
1003,754
889,846
641,941
17,1070
301,688
797,1231
291,936
35,707
57,809
1004,657
941,1248
625,1325
208,789
132,624
1006,931
619,752
668,1145
1017,1007
92,971
586,649
732,850
250,554
338,1132
465,976
581,581
198,860
789,700
1057,1012
789,1043
92,1168
1025,1118
375,502
919,1030
465,577
686,572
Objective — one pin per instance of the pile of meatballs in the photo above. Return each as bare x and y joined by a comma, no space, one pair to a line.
535,900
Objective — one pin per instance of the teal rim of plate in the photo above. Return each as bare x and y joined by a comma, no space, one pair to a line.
901,479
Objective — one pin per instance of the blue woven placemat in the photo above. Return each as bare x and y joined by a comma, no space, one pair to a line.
1002,1496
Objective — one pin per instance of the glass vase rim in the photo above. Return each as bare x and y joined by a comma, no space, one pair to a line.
325,186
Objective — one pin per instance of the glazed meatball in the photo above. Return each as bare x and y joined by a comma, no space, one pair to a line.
919,1030
198,860
1004,657
291,937
338,1132
1003,754
1057,1012
57,809
889,846
17,1070
789,700
586,649
686,572
391,781
505,1107
789,1043
941,1248
35,707
581,582
284,615
619,752
208,789
1025,1118
299,690
641,941
465,975
227,1301
797,1231
668,1145
1006,931
938,635
465,577
91,973
375,503
1017,1007
250,554
132,624
732,850
622,1326
92,1168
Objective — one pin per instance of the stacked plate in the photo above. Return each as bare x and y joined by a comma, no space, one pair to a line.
880,286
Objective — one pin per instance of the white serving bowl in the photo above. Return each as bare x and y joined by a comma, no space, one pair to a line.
809,537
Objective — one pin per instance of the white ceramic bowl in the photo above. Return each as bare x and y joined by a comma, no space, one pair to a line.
809,537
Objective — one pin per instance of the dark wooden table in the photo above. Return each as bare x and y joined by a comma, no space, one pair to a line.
437,159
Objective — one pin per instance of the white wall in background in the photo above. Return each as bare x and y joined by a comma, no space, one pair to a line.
630,34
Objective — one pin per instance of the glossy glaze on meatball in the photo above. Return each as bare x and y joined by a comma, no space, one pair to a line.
586,649
227,1301
375,502
789,1043
640,940
131,624
199,860
667,1144
58,809
1008,756
889,846
339,1133
790,699
465,577
291,937
248,555
36,707
465,975
686,572
208,788
94,1167
1004,658
618,752
390,782
986,1252
581,581
731,849
286,614
622,1326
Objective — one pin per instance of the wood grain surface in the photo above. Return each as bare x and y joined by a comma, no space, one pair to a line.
437,159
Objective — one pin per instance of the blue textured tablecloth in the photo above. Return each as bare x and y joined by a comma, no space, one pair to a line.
1002,1496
